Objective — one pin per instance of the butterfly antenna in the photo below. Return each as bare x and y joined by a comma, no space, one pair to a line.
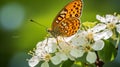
38,23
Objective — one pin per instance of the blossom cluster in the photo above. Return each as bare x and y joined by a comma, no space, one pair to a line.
84,41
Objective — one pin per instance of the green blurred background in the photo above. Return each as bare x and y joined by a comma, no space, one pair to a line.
18,35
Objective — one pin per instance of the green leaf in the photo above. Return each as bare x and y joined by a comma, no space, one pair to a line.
82,59
108,52
80,64
77,64
67,63
112,64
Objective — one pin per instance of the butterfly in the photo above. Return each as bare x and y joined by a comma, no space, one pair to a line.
67,22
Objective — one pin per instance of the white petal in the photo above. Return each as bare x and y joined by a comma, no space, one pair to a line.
99,27
45,64
48,45
91,57
111,18
56,60
70,57
48,49
33,61
62,56
108,34
99,36
39,45
79,39
38,52
98,45
43,43
51,40
63,45
51,48
101,19
69,38
118,28
76,53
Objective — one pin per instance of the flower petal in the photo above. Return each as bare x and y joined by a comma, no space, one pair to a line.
68,38
118,28
70,57
56,59
45,64
91,57
59,57
111,18
39,45
98,36
108,34
33,61
101,19
76,53
62,56
79,39
51,48
98,27
98,45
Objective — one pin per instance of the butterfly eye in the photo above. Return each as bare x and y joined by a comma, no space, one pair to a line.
49,30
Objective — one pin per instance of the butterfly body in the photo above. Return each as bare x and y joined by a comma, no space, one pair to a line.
67,22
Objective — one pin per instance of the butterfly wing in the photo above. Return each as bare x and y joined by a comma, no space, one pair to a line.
69,27
67,19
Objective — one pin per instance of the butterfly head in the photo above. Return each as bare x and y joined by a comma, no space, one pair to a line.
53,33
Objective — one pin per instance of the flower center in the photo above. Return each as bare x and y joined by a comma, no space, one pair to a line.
47,57
111,26
90,37
87,48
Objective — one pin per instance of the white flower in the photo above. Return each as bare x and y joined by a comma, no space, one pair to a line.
84,41
64,52
108,19
42,52
66,48
110,22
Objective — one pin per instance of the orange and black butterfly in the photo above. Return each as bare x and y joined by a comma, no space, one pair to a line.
67,22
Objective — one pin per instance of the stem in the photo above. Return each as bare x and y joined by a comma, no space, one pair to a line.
98,62
118,39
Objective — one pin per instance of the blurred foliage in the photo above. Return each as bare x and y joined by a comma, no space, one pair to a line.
107,52
24,38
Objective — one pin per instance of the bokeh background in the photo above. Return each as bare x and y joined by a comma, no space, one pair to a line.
18,35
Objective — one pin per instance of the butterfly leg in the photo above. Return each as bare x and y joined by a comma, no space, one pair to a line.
65,41
58,44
